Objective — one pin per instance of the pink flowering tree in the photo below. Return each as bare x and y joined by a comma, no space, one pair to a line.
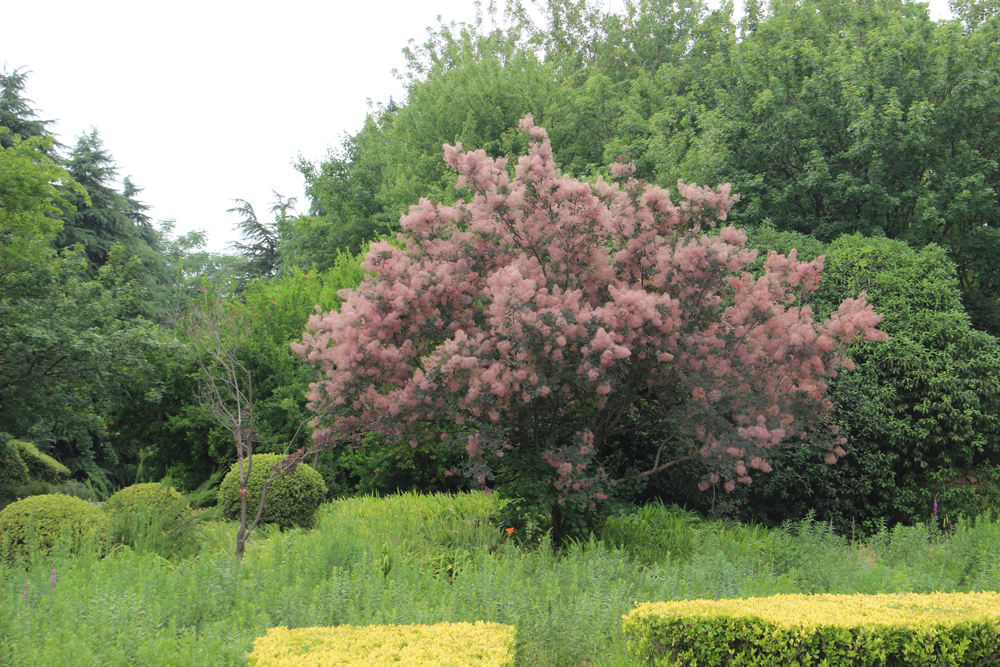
529,323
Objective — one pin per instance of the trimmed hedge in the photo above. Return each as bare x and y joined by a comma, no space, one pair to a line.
41,466
441,645
291,500
904,629
13,471
43,522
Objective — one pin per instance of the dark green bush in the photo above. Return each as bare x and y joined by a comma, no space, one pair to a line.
919,411
13,471
41,523
378,466
291,500
41,467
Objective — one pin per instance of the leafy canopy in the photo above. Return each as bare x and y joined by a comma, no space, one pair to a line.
526,323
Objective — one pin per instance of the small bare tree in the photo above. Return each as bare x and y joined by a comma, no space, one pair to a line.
217,332
225,385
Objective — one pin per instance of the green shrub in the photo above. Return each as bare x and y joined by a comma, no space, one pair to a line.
380,467
152,517
13,471
291,500
154,501
41,466
151,498
911,629
40,523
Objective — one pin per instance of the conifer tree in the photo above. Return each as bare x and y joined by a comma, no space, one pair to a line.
16,111
108,217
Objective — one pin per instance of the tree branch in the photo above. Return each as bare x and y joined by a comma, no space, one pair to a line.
657,468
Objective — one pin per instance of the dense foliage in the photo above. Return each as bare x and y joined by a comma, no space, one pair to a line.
865,133
524,324
374,561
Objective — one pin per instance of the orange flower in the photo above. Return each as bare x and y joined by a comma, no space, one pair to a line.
510,531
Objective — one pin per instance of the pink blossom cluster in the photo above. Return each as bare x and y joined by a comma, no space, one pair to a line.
538,314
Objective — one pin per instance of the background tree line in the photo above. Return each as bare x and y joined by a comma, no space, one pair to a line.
865,132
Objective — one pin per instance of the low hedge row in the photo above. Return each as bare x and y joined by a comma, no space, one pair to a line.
442,645
844,630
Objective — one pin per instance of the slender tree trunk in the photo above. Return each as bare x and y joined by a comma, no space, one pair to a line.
241,536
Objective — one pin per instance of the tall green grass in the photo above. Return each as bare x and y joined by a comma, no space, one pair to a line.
428,559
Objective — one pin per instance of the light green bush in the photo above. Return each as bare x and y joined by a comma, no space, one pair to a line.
151,498
652,533
40,523
291,500
151,516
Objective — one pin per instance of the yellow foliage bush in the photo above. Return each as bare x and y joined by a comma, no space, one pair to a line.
911,629
443,645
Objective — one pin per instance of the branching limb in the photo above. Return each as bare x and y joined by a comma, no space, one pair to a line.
657,467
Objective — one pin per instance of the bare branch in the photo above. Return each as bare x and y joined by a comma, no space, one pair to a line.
657,468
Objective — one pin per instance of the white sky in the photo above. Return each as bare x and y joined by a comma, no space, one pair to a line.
201,102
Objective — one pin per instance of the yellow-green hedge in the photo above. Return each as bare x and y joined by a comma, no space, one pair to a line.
834,630
442,645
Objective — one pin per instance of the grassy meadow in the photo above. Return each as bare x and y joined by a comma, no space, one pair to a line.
428,559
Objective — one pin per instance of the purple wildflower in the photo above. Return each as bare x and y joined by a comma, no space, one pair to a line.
52,578
27,585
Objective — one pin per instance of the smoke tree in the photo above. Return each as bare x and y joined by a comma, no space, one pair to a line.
530,322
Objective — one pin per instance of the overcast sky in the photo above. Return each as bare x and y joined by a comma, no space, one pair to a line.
205,101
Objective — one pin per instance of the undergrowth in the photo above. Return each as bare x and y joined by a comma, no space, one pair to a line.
428,559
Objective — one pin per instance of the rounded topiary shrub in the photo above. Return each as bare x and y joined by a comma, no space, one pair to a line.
291,500
156,502
40,523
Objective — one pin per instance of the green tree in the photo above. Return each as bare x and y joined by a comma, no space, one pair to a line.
107,217
834,117
30,199
190,267
260,239
16,112
345,206
178,436
67,354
